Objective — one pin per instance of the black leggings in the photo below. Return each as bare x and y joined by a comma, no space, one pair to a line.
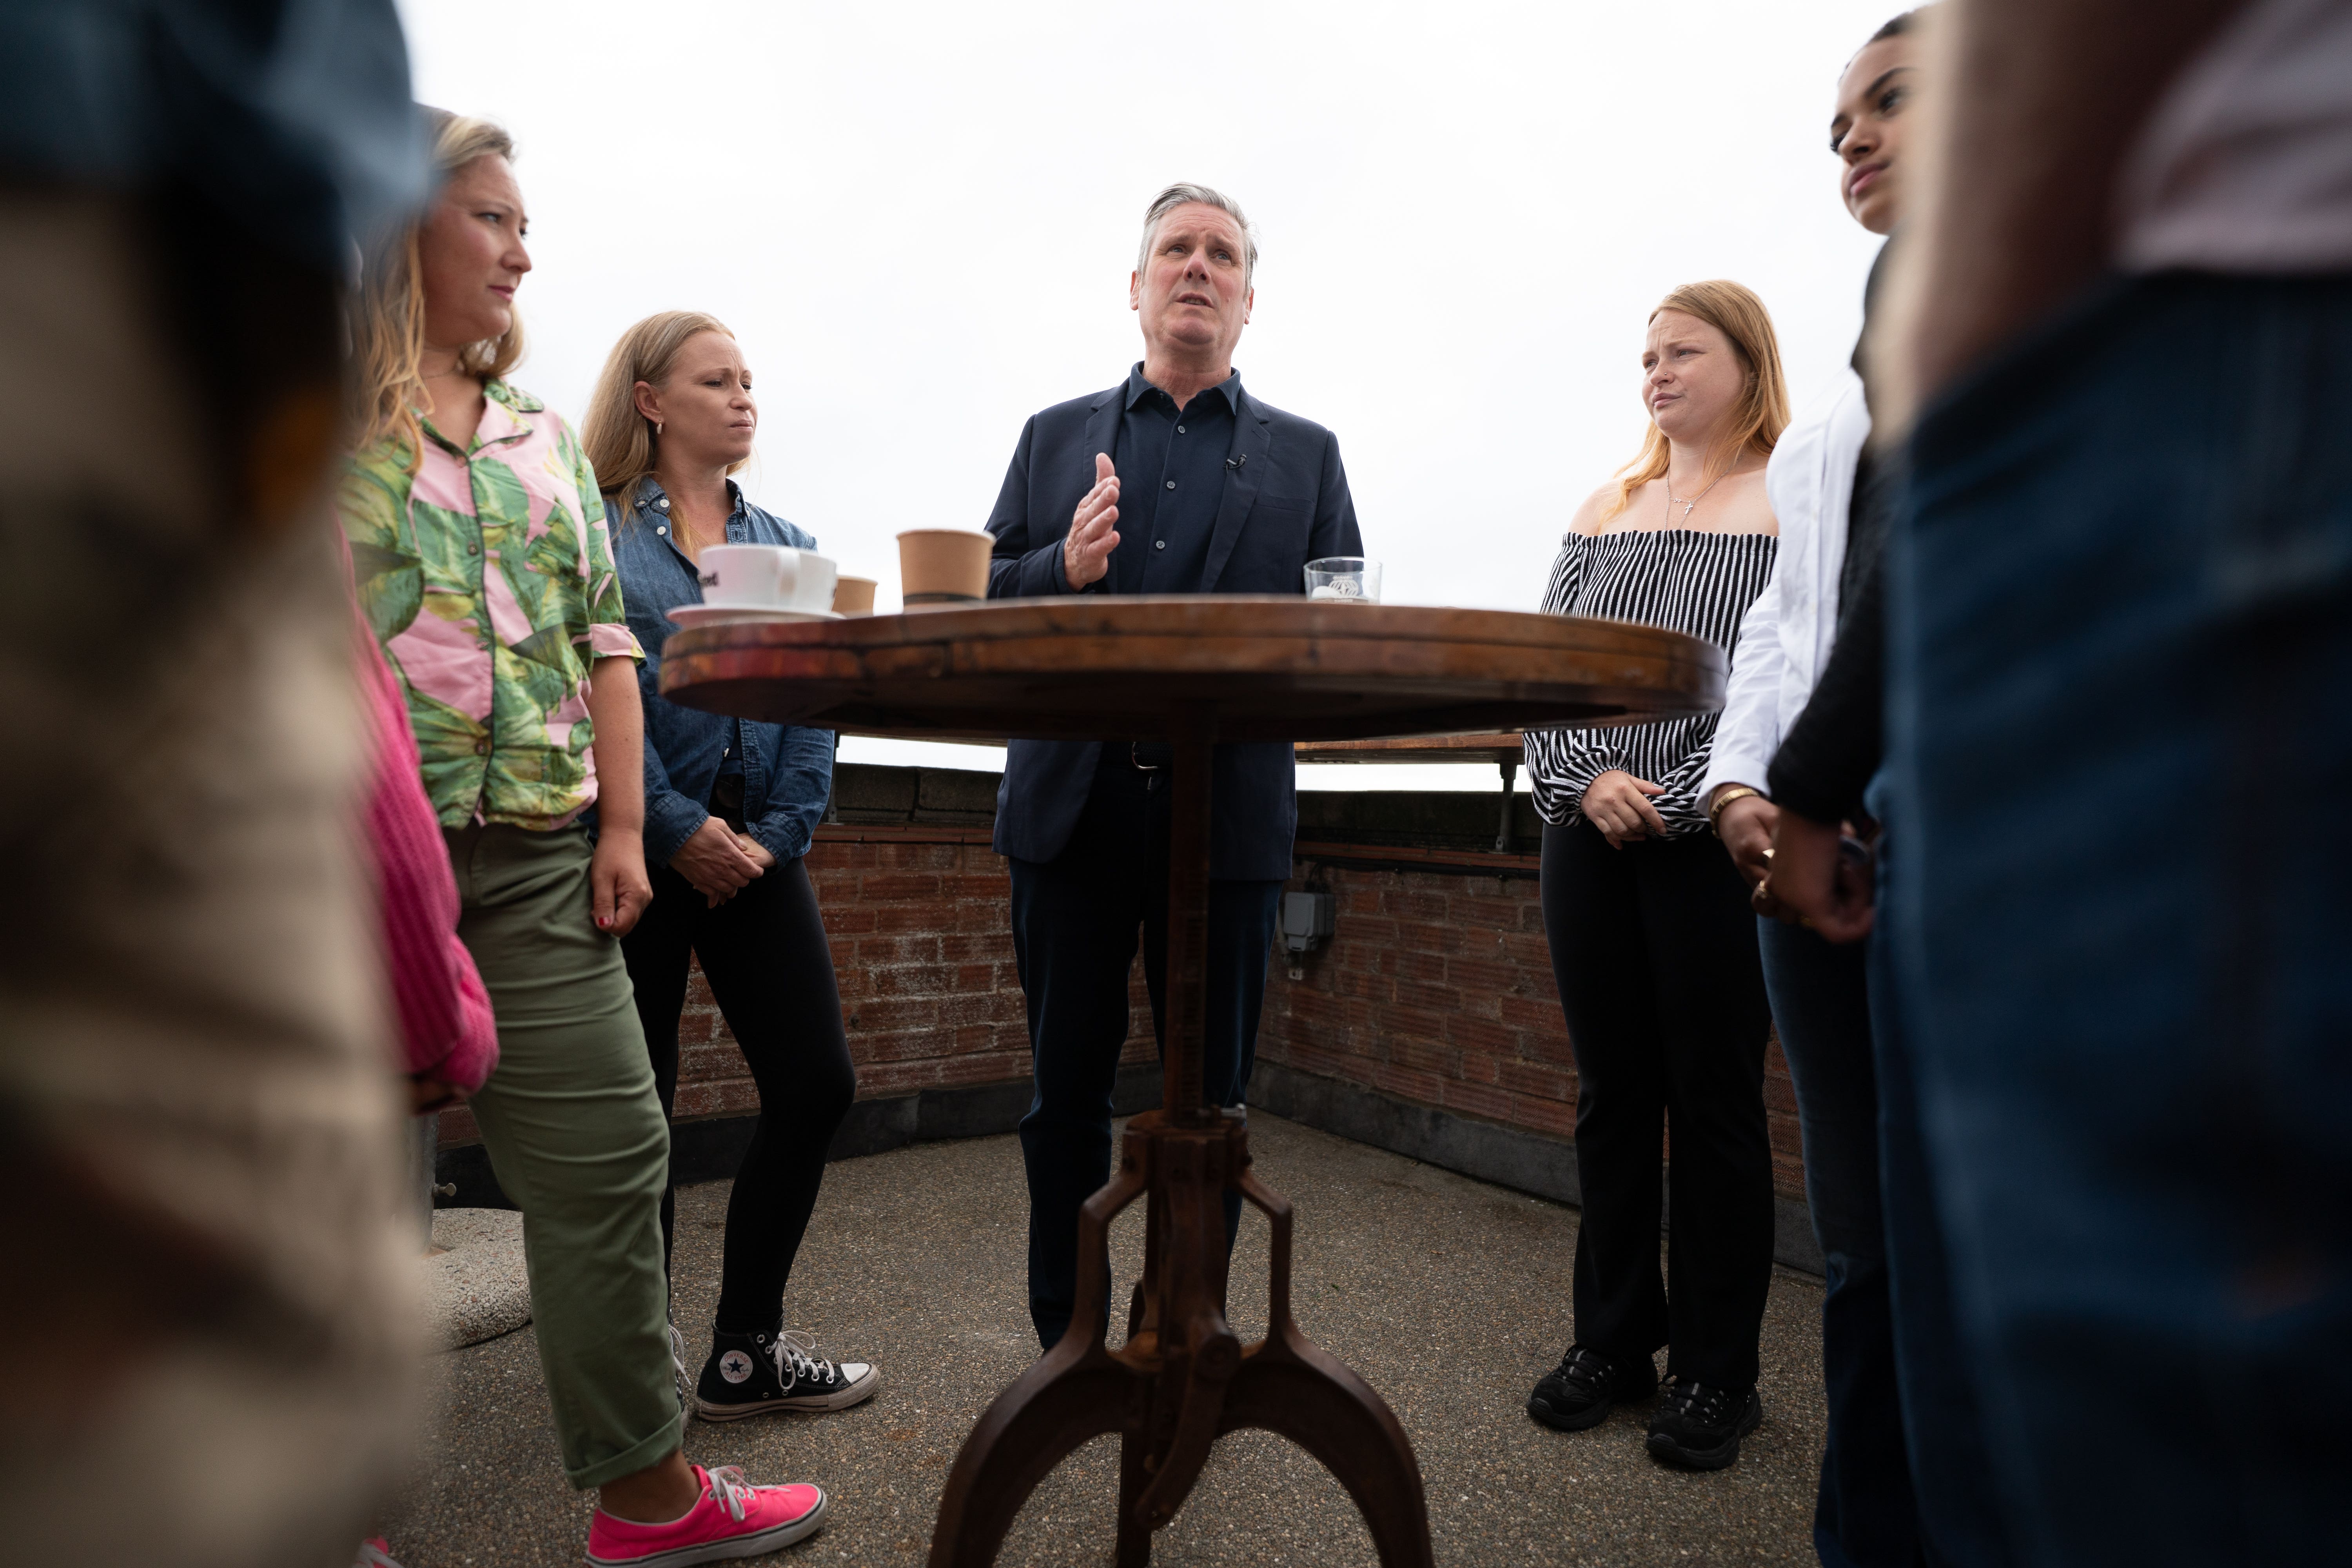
1653,946
765,955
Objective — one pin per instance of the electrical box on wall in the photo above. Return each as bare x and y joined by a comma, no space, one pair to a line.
1305,922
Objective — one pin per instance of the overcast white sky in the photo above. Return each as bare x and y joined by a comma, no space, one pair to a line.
919,219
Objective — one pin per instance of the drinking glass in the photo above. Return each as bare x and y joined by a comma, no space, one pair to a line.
1348,578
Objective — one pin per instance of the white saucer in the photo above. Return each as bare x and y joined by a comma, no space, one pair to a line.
722,615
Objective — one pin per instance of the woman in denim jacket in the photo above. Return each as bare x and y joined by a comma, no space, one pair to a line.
731,807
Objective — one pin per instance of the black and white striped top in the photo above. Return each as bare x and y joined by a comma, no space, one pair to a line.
1678,578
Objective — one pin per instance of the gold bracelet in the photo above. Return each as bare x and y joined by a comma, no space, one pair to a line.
1722,798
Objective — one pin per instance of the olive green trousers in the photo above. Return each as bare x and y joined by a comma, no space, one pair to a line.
577,1139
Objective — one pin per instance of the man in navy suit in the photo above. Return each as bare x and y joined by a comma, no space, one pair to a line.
1222,495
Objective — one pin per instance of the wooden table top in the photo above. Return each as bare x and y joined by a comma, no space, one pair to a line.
1502,746
1119,667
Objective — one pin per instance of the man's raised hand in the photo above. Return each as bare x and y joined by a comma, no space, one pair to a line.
1086,553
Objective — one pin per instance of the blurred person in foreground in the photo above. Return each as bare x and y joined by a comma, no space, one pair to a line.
731,807
484,565
2119,614
1831,497
212,1304
1653,942
1175,481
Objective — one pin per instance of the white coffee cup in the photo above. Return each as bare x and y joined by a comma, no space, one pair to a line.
766,578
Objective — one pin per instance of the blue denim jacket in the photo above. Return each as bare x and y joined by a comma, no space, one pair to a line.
787,768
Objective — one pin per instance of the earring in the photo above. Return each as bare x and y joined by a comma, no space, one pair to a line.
657,427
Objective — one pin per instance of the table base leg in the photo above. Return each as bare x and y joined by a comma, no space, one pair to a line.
1182,1380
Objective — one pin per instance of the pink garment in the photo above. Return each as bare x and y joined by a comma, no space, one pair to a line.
446,1025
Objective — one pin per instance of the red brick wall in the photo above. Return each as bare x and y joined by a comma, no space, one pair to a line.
923,955
1436,987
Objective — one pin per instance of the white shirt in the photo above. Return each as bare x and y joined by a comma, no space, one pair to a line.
1784,639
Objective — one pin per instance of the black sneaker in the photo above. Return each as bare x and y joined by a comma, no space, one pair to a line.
751,1375
1580,1391
1699,1424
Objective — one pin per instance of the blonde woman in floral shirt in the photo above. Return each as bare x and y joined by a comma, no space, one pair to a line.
484,564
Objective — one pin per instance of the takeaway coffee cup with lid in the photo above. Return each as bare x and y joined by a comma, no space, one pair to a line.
944,566
765,577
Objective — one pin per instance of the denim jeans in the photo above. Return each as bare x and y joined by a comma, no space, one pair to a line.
1959,1509
2119,661
1865,1514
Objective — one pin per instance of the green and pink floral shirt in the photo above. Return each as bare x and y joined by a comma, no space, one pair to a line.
488,576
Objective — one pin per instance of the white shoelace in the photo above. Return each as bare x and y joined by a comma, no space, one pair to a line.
728,1489
799,1351
371,1556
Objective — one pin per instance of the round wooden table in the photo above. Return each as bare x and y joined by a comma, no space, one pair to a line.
1192,671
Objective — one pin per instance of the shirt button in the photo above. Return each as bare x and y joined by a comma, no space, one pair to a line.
1171,484
481,748
663,503
1180,429
1159,544
661,528
473,549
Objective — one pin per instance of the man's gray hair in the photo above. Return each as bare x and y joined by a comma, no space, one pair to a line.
1183,194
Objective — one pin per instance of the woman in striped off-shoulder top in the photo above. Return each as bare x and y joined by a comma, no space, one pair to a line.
1653,940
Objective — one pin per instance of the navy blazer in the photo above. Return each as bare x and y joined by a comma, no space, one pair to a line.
1286,503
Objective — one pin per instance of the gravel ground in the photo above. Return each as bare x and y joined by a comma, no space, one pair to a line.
1448,1295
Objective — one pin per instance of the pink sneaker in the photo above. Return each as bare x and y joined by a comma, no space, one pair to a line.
732,1518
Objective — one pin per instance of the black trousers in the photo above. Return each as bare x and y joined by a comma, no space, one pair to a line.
1653,946
1075,924
764,953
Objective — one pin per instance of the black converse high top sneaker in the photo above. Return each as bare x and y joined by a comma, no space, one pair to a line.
751,1375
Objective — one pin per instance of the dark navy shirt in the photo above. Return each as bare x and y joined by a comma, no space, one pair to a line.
1171,476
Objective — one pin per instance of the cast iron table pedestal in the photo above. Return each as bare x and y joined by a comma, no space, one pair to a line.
1193,671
